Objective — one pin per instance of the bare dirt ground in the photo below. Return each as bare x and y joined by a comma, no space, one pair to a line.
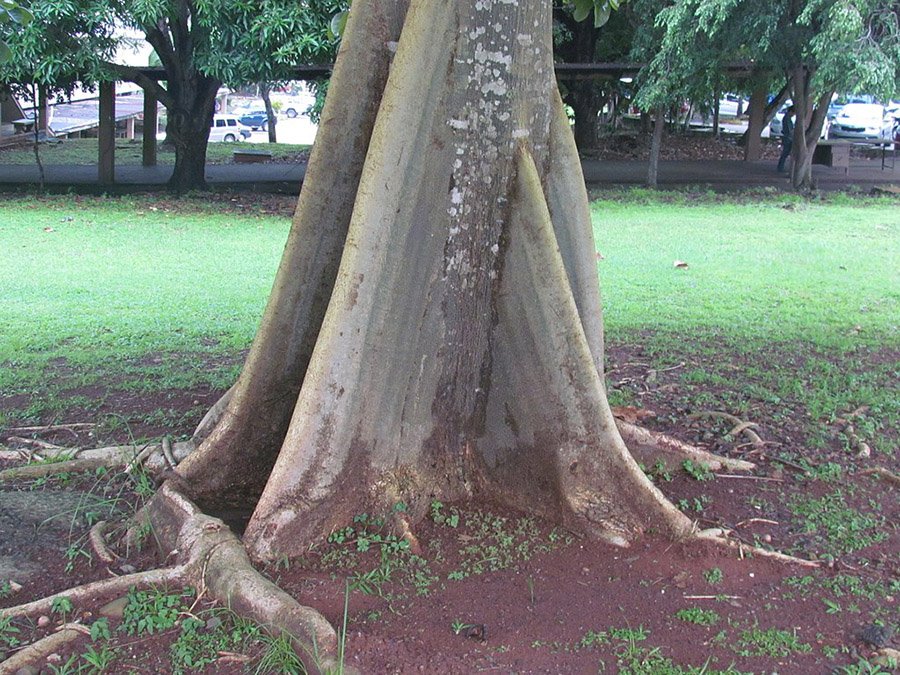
492,590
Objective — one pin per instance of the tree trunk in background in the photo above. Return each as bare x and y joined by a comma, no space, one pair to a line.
659,126
761,115
189,122
715,122
586,100
810,116
583,95
753,136
456,351
266,94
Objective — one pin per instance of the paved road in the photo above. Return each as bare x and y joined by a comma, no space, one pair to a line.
278,177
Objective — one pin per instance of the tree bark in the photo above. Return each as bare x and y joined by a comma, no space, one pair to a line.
715,120
189,120
456,351
755,126
266,94
761,114
810,118
659,125
584,94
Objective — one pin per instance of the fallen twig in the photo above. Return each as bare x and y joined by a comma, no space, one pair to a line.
757,520
53,427
712,597
763,478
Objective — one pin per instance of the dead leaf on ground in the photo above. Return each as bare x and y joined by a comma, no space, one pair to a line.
631,414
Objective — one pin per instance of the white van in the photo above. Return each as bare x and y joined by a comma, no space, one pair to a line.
227,129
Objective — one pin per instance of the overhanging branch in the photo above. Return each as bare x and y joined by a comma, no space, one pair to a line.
148,84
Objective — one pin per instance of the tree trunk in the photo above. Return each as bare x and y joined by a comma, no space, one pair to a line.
586,101
715,121
266,93
584,94
659,125
753,136
456,351
761,114
189,122
810,116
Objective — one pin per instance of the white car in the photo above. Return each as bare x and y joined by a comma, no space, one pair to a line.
730,104
227,129
866,121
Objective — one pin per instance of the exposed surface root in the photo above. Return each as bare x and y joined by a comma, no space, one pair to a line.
881,472
720,537
649,445
740,426
98,543
212,417
80,595
217,564
152,457
39,650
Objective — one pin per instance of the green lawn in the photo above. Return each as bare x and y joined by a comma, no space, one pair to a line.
778,269
128,152
152,295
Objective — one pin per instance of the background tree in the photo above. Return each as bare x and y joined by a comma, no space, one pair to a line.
199,45
817,47
582,41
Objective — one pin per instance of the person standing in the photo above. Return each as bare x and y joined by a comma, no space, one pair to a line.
787,137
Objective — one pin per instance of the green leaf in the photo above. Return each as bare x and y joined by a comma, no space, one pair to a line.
20,15
601,14
582,9
5,53
338,24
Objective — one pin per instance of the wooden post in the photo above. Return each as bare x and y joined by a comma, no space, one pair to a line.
151,122
106,163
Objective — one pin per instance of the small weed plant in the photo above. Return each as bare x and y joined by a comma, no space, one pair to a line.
698,616
772,642
713,576
697,470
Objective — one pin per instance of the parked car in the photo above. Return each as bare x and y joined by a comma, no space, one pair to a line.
255,119
775,124
732,105
227,129
866,121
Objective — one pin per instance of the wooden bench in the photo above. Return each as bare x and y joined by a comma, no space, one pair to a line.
251,156
833,153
